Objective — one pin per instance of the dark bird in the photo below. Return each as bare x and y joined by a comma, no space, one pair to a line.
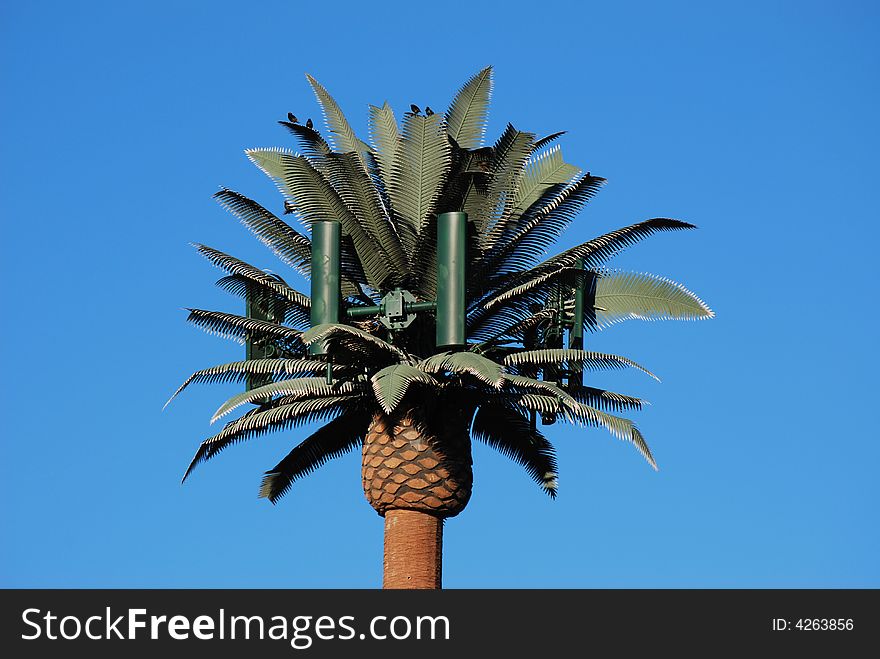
309,123
288,208
428,111
415,109
291,117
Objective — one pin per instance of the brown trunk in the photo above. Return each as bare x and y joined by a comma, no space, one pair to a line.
416,472
413,550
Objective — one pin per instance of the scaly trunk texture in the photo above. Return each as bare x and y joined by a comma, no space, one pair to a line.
416,472
413,550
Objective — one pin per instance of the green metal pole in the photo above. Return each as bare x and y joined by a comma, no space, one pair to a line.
451,254
576,335
326,295
260,306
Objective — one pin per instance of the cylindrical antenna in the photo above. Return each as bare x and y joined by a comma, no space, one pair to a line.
451,254
326,295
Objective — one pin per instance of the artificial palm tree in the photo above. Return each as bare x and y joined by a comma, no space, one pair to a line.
386,382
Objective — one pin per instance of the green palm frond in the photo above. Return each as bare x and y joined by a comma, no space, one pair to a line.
544,141
468,113
482,368
240,328
293,248
420,169
623,429
518,328
278,415
386,137
353,183
624,295
345,139
573,358
598,250
607,400
555,400
295,315
327,330
543,403
541,225
536,279
592,253
509,155
541,172
236,266
333,440
294,389
310,141
524,384
239,371
511,433
309,193
314,199
392,382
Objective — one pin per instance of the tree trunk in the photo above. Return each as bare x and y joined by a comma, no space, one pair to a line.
416,472
413,550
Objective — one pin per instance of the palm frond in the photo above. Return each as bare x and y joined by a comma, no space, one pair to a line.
623,429
541,172
271,161
468,112
240,370
625,295
291,247
482,368
421,166
530,281
345,139
571,357
544,141
385,136
333,440
354,185
310,195
546,397
314,199
292,390
607,400
598,250
310,141
295,315
591,253
510,154
523,384
327,330
518,328
542,224
392,382
511,433
277,415
236,266
240,328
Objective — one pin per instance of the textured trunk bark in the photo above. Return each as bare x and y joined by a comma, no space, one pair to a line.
413,468
416,473
413,550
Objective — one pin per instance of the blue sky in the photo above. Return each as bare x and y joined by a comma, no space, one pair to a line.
755,120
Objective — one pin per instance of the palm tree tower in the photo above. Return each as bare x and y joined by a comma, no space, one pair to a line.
435,316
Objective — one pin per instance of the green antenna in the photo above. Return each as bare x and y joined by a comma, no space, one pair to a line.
451,254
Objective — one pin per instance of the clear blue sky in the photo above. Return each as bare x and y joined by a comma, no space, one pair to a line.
756,121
